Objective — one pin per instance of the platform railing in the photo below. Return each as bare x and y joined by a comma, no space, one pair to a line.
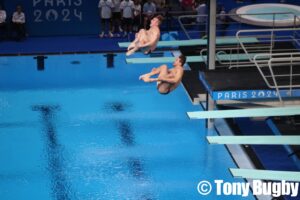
232,28
279,67
288,65
270,37
190,25
263,54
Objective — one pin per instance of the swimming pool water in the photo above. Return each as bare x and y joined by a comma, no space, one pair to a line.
85,131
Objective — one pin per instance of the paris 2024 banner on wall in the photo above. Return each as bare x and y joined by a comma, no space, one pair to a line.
57,17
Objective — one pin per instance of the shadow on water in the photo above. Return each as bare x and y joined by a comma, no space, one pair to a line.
117,106
136,168
60,186
127,138
126,133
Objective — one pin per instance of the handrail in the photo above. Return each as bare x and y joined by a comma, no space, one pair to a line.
278,59
296,19
272,58
238,35
264,55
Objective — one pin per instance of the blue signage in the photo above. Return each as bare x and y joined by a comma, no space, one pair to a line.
248,94
253,94
58,17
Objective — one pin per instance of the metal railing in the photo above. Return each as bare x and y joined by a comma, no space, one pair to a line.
279,68
190,25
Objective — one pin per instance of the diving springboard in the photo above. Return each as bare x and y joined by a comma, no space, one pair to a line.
163,59
265,174
194,42
221,57
255,140
251,112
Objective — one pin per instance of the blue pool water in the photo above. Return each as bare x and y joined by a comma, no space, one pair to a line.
80,130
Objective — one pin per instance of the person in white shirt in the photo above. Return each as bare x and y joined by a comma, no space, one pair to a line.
3,26
2,15
201,9
126,8
116,16
149,10
105,9
137,8
18,23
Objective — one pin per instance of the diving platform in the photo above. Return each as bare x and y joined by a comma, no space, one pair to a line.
251,112
194,42
255,140
243,84
266,174
190,59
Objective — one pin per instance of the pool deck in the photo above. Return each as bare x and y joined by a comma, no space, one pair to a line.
61,45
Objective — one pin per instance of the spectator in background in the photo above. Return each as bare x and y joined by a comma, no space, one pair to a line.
187,5
126,8
136,15
3,25
18,24
160,5
149,9
116,16
222,20
105,9
200,7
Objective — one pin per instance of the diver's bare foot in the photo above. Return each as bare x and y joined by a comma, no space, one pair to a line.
146,78
154,70
131,46
131,51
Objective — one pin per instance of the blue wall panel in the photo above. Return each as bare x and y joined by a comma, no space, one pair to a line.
58,17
